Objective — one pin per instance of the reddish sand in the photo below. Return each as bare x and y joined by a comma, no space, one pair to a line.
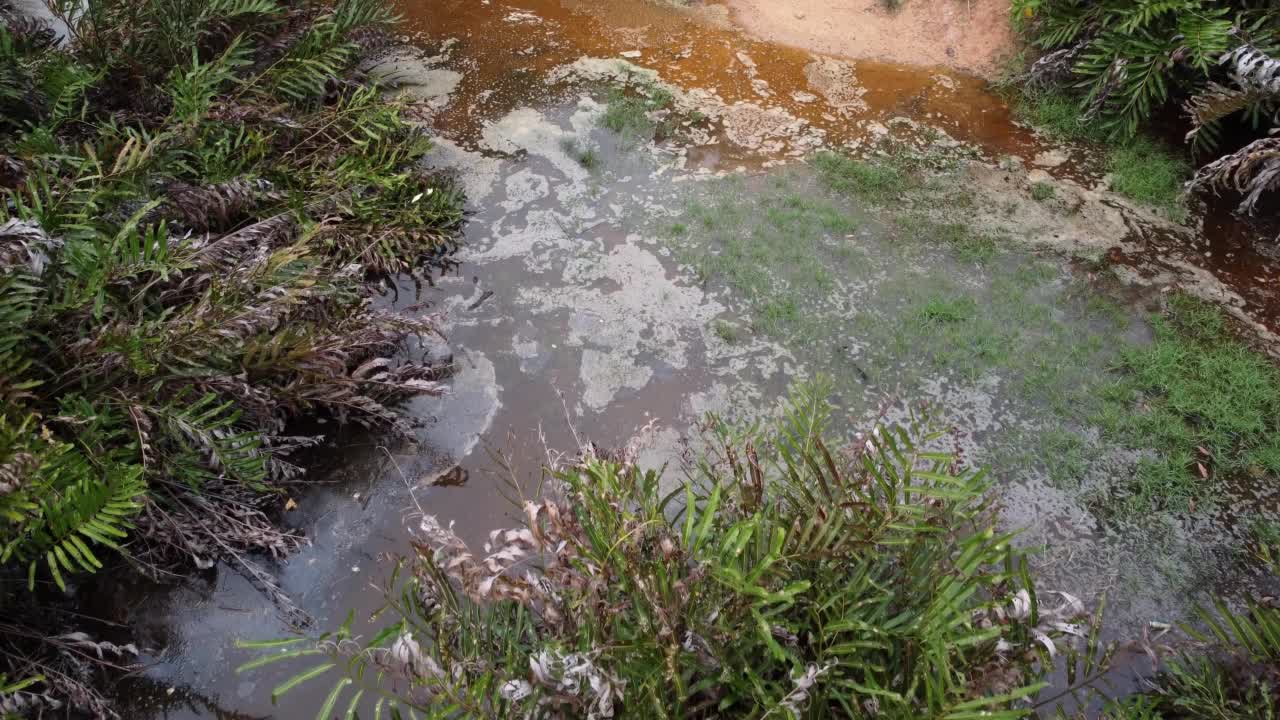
969,35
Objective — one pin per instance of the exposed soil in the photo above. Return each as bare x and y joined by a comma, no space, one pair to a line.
972,36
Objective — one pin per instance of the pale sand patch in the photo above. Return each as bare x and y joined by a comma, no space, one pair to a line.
968,35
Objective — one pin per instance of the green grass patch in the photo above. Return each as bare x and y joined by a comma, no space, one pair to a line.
779,249
587,156
1150,173
1205,389
728,332
947,310
968,244
627,115
1199,399
1058,116
878,181
1042,191
628,109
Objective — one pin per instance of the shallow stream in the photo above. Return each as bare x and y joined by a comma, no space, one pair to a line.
611,283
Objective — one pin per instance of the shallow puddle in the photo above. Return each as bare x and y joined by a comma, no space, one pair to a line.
610,284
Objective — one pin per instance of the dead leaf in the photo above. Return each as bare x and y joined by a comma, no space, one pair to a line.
290,504
1204,471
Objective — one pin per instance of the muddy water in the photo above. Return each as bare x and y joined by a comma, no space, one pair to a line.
592,302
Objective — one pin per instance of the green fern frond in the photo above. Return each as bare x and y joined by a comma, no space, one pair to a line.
77,506
193,88
205,438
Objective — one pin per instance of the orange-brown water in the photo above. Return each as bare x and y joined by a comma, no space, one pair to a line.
692,48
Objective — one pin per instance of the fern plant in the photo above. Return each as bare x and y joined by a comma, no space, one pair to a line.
1127,62
1130,59
196,199
791,574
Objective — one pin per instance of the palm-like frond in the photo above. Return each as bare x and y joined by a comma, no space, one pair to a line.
1252,170
782,578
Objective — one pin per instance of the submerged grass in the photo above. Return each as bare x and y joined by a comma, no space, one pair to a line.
949,303
777,250
629,109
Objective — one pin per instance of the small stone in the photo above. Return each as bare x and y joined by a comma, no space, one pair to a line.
631,54
799,15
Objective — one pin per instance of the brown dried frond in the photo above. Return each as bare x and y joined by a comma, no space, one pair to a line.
218,205
1115,78
1052,69
24,245
1216,102
29,32
1251,170
15,471
13,173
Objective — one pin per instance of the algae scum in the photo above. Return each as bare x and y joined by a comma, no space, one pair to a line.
622,275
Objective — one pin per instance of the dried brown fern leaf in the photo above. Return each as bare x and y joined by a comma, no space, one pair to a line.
13,173
1216,102
1054,68
24,245
218,205
1251,170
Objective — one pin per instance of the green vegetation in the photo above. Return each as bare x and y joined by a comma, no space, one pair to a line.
1042,191
728,332
194,197
797,574
1197,403
774,250
587,157
627,115
1237,681
629,111
947,310
1141,168
969,245
1085,43
1057,115
878,181
1112,67
1210,407
1149,173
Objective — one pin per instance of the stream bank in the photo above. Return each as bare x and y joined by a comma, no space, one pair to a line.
610,280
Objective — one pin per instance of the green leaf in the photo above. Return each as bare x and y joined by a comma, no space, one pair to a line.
326,710
271,658
298,679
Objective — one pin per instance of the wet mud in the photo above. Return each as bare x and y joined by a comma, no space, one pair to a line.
613,284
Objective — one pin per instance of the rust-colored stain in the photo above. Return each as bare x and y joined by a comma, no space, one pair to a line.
508,54
508,48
